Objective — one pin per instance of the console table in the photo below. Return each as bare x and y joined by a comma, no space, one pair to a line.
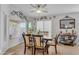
67,39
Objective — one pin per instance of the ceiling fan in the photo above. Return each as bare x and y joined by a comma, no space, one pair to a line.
39,8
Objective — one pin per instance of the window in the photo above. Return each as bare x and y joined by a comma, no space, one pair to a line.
44,26
22,25
29,25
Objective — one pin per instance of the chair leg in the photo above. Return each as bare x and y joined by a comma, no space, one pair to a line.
34,51
43,51
56,49
25,50
47,49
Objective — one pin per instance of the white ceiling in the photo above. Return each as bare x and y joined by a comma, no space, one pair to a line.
53,9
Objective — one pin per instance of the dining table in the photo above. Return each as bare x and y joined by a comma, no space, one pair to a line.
46,40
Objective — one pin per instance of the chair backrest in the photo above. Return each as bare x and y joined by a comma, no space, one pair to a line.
37,40
26,38
56,38
46,34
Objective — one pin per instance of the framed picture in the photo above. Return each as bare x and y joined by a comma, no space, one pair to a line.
67,23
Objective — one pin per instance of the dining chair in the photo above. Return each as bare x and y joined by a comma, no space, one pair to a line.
38,43
27,42
46,33
54,43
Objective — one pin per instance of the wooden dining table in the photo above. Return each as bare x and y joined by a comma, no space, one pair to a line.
46,40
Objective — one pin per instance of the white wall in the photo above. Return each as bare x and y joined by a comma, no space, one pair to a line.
0,29
4,24
57,25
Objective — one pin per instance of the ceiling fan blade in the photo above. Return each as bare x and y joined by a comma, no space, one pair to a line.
33,5
38,5
32,11
43,5
45,11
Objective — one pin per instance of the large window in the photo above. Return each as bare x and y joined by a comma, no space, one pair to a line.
23,25
30,27
40,26
44,26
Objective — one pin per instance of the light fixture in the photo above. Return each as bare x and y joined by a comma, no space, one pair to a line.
39,8
38,5
38,11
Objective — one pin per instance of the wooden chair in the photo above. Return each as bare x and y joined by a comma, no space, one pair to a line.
53,43
38,43
46,33
27,42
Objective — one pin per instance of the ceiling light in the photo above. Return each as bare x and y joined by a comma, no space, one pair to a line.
39,8
38,11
